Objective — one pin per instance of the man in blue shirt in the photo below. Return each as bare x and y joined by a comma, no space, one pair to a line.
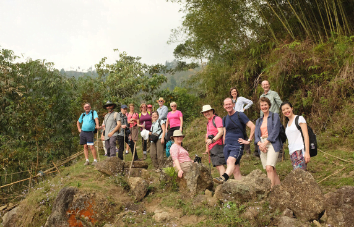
234,124
89,122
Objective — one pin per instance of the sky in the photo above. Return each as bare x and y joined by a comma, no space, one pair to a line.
79,33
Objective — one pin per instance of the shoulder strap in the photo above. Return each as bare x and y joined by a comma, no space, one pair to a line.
214,121
115,116
243,132
299,128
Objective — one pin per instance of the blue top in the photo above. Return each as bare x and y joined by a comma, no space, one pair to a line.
273,127
233,132
88,124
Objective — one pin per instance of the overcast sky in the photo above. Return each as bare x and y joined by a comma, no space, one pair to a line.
78,33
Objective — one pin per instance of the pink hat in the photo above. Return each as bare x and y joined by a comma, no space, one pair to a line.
149,105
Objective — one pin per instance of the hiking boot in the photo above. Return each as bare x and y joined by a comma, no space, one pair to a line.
94,163
219,180
144,157
87,163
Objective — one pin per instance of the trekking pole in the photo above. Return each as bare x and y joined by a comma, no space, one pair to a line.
124,147
98,153
209,163
132,159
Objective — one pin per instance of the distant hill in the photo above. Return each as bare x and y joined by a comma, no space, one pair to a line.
77,74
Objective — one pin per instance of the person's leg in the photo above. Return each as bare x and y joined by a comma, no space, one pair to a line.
121,147
270,174
108,147
237,172
86,151
132,148
143,142
93,151
276,177
113,145
221,169
104,147
153,155
230,166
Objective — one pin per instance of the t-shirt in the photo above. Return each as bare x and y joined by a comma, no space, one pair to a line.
110,123
233,132
134,116
174,118
294,136
156,128
211,130
88,124
179,153
163,111
147,119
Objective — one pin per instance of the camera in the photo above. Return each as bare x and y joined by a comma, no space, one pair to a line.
211,137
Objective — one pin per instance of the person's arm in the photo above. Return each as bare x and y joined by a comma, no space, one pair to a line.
305,133
178,166
115,129
97,123
274,132
216,137
257,133
181,126
248,103
163,133
138,124
206,144
167,121
277,99
224,135
252,127
78,126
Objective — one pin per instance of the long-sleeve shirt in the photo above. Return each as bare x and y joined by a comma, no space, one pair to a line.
240,102
163,111
275,101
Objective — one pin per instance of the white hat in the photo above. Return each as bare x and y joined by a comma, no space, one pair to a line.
206,108
176,133
145,134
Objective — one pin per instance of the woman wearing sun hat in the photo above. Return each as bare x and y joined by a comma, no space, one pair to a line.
213,138
181,160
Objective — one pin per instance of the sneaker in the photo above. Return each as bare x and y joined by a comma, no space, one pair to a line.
86,163
219,180
144,157
94,163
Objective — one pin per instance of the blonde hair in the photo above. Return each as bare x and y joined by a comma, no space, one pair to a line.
142,104
131,104
173,103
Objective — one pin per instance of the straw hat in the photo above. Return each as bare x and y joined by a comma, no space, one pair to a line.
176,133
206,108
160,99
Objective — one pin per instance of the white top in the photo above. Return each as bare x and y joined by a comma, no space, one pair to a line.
240,102
294,136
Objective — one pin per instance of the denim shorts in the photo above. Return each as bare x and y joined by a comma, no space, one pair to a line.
235,151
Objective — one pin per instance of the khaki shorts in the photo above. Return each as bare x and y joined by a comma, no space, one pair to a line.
134,132
185,166
269,158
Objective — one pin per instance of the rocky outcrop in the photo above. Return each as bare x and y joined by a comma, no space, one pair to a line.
139,187
197,180
254,186
340,207
59,216
113,166
10,218
285,221
300,193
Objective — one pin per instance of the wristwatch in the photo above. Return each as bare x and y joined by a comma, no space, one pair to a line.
249,140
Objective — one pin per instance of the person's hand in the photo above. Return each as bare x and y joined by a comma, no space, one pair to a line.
206,151
307,157
242,141
244,109
209,141
263,147
162,140
110,134
102,137
124,126
180,173
79,130
98,127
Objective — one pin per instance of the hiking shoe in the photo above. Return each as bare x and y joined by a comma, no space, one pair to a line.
144,157
219,180
94,163
87,163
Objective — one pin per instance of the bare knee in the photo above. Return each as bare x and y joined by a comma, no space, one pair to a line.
270,169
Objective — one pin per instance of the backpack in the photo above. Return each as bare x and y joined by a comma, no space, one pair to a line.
213,121
147,112
312,137
168,147
238,115
95,131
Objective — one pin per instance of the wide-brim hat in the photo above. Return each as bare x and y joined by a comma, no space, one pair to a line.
206,108
160,99
109,103
176,133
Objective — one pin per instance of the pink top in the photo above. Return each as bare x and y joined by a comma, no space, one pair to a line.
264,131
179,153
173,118
135,116
211,130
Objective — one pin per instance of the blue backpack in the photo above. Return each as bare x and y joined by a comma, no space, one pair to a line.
168,146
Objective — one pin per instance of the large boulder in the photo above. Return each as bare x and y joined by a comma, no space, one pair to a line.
301,194
111,166
197,180
10,218
59,217
255,185
340,207
137,172
139,187
285,221
136,164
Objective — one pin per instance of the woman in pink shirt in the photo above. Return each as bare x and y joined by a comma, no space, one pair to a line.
174,120
181,160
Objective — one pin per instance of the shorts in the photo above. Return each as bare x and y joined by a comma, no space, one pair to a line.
185,166
298,160
269,158
217,155
86,138
235,151
134,132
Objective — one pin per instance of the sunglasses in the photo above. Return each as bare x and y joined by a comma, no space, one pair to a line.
160,101
173,106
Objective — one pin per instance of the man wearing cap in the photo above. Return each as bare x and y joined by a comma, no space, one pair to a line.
213,139
162,110
124,126
89,120
112,125
234,124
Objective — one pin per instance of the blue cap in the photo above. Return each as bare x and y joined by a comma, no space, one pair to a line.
124,107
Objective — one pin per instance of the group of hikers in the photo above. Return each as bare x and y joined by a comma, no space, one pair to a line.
225,138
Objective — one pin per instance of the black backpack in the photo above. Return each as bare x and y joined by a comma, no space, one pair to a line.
282,134
312,137
95,131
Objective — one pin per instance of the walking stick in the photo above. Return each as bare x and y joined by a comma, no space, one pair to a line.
124,147
209,163
98,153
132,159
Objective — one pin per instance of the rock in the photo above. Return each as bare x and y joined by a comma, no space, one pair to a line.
59,217
300,193
138,187
208,193
137,172
111,166
161,217
255,185
340,207
3,207
285,221
288,213
212,201
10,218
199,200
136,164
197,180
168,162
252,212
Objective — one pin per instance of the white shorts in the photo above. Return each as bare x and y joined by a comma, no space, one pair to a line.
269,158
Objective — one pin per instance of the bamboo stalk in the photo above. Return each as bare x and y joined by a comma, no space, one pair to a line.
297,16
324,26
336,157
331,175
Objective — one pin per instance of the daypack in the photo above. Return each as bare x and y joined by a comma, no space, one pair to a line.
95,131
312,137
168,147
213,121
